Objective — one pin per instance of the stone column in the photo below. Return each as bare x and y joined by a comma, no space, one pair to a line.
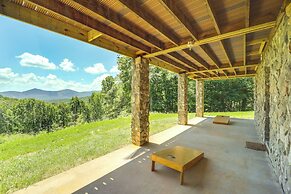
182,99
199,98
140,102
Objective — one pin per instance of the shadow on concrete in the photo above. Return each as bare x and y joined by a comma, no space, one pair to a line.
228,167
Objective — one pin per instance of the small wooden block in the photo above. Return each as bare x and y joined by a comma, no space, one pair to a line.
256,146
221,120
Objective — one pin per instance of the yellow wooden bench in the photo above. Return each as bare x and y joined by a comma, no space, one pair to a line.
178,158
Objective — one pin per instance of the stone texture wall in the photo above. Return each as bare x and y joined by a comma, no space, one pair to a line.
182,99
140,102
273,103
199,98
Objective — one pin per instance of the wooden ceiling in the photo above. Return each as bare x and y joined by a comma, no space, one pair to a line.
207,39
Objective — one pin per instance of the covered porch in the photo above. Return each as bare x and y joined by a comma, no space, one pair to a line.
201,40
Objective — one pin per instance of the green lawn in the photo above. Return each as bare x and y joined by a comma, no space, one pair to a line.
26,159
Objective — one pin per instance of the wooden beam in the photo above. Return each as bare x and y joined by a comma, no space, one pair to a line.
172,62
184,60
30,16
257,41
247,24
263,44
75,15
227,35
93,34
239,74
225,68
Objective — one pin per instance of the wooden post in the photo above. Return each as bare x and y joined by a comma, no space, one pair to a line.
199,98
140,102
182,99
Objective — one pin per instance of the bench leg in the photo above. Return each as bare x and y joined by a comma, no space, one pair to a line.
181,178
153,165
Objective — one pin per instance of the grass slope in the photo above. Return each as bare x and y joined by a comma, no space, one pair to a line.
26,159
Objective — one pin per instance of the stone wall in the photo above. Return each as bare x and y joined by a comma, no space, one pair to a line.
273,103
140,102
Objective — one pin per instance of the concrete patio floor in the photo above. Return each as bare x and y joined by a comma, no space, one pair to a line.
228,167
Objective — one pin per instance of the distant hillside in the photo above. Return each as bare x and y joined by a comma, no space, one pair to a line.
45,95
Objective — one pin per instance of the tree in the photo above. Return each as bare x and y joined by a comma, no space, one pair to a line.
96,109
63,115
76,108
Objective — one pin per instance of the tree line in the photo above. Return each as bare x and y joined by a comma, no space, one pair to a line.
114,99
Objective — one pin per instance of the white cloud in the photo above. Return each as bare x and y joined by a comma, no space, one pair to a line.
96,69
114,69
67,65
19,82
30,60
6,74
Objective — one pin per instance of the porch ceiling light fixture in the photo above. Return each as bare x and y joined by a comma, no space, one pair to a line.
190,44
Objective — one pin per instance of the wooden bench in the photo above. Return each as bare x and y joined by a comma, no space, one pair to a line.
178,158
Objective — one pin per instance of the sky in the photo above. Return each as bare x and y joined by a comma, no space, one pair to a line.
32,57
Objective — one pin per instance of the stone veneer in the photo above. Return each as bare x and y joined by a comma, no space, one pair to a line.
199,98
182,99
140,102
273,102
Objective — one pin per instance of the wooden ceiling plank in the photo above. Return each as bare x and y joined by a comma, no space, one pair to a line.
212,14
175,11
71,13
134,6
247,24
83,19
216,38
116,18
165,31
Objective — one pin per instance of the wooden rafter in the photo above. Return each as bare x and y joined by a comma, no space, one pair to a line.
257,41
93,34
251,73
227,35
184,21
71,13
12,10
162,29
84,19
247,24
225,68
217,28
116,18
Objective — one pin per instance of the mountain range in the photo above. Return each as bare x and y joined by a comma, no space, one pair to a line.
45,95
